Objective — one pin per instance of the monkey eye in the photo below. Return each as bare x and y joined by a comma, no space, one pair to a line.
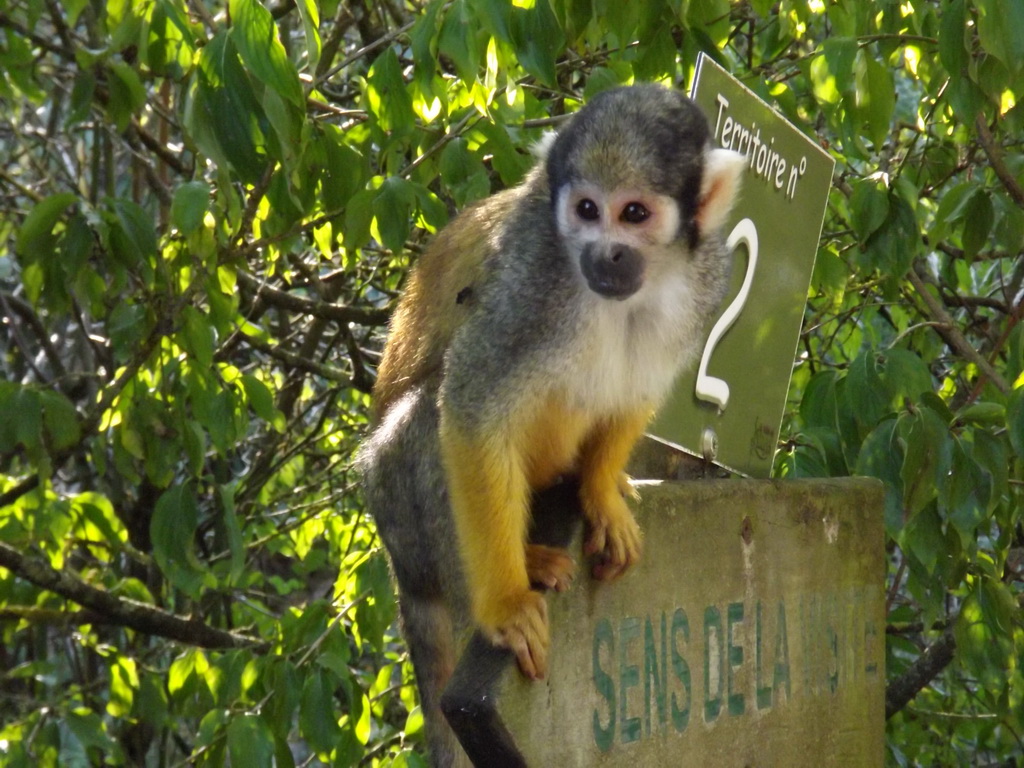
635,213
587,210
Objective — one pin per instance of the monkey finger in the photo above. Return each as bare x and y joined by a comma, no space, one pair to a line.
519,646
549,567
525,633
596,539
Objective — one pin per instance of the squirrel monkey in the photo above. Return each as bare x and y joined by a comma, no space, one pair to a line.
534,340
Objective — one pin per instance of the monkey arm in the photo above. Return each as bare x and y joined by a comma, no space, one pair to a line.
490,501
613,532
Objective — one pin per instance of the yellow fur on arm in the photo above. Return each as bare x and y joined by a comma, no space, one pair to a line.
490,504
604,457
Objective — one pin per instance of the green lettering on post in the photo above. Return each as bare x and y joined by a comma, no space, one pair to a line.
653,681
681,670
781,655
604,735
831,620
870,638
734,614
713,659
629,676
763,693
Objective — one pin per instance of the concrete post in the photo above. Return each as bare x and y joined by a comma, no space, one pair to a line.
751,634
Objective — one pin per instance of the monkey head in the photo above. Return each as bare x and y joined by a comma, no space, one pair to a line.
635,184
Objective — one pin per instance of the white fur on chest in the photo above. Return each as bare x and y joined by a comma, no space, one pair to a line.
629,352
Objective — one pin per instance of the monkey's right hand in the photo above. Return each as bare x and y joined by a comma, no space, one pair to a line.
524,630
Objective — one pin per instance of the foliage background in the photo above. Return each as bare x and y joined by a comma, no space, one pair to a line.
206,209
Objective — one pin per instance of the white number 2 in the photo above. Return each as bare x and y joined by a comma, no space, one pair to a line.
709,388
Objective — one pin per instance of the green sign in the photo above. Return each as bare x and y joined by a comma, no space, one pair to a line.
730,408
751,633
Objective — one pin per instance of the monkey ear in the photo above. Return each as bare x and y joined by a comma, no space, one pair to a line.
719,188
542,146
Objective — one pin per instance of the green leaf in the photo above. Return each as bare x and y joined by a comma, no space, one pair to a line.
423,38
124,681
924,539
864,391
982,413
250,742
63,426
36,233
892,248
318,722
89,730
255,34
173,530
81,98
189,206
927,457
538,40
1000,23
223,116
964,494
952,48
386,94
882,456
978,219
869,207
876,97
983,630
27,413
358,218
262,401
280,677
463,173
126,327
345,170
136,226
818,407
457,40
127,94
392,208
840,53
658,55
310,14
198,335
1015,420
906,374
375,614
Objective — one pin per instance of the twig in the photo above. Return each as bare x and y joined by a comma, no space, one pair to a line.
949,332
936,657
995,156
122,611
338,313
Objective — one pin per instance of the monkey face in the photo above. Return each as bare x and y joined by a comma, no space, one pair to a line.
612,235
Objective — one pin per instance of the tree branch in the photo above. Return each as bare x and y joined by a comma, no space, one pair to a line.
949,332
995,156
935,658
321,309
120,611
297,361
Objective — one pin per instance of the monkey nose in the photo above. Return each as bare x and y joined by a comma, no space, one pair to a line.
615,273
